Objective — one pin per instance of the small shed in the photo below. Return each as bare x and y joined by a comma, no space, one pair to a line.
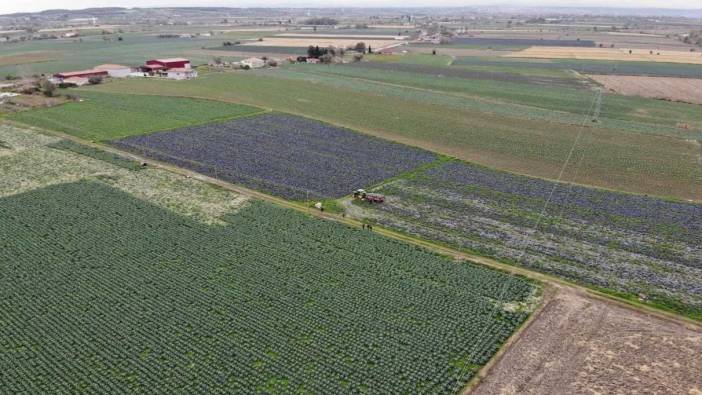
254,63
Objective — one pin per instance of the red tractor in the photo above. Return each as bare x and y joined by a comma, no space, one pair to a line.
368,197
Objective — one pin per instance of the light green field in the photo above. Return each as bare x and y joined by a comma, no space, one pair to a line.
102,116
613,158
648,114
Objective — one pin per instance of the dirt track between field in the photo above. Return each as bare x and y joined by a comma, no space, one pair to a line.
580,344
669,88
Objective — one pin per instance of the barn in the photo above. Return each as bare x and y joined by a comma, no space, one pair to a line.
172,63
115,70
82,74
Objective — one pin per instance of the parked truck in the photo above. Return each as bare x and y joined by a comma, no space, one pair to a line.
361,194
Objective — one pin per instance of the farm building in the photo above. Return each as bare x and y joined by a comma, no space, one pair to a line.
115,70
173,63
254,63
180,73
76,81
81,74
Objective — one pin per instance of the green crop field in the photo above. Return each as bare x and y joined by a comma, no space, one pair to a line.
263,300
615,158
547,93
103,116
585,66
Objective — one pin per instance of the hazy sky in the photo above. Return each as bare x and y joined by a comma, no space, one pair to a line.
9,6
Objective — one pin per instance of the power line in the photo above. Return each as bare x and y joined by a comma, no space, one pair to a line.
593,109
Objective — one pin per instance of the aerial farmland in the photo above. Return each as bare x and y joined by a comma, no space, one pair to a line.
351,201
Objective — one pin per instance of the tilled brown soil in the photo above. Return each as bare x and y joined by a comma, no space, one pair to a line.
579,344
669,88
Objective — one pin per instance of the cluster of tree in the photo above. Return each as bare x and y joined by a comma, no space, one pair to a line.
324,21
168,36
693,38
46,87
314,51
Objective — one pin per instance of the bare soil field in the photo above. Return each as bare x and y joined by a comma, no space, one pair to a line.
28,57
619,54
343,36
580,344
678,89
322,42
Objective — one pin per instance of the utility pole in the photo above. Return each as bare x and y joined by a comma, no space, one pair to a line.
598,105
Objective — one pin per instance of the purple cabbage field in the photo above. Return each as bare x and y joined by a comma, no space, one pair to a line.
281,154
625,243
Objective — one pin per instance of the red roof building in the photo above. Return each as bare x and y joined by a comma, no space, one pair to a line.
173,63
82,74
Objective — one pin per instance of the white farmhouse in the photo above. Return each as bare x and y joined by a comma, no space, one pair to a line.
181,73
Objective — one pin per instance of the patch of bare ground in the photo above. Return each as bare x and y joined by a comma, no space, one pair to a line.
579,344
669,88
618,54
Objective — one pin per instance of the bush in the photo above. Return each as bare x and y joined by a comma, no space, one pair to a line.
95,80
46,87
326,58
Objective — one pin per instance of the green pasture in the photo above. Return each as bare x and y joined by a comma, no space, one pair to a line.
106,116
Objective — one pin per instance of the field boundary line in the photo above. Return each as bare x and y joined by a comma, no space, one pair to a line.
457,255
